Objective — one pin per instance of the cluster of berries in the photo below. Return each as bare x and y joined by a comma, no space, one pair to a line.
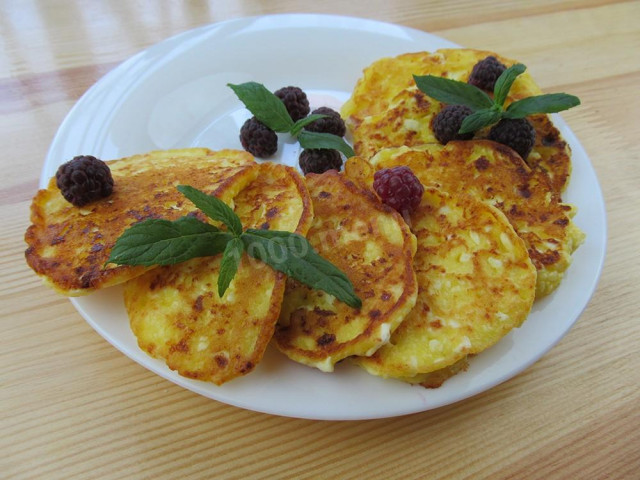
261,141
518,133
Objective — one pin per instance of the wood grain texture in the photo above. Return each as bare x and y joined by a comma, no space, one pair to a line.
73,407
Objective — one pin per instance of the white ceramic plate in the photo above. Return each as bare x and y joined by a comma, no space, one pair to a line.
174,95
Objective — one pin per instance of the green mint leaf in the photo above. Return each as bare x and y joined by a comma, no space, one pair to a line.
303,122
453,92
549,103
505,81
165,242
293,255
324,140
229,265
479,119
213,208
264,105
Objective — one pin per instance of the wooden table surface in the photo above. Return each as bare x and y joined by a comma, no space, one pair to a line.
72,406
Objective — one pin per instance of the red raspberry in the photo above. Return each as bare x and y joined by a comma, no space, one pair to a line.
399,188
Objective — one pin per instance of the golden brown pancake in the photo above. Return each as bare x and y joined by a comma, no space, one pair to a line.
388,110
374,247
176,313
68,245
409,122
498,176
387,77
476,283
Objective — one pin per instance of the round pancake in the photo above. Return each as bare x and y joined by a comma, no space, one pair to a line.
409,122
374,247
398,113
385,78
68,245
176,314
475,283
496,175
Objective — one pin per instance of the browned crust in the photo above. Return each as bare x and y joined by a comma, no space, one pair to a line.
69,232
220,369
373,105
328,348
530,200
381,86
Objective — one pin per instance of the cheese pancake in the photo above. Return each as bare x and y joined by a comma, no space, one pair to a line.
388,110
374,247
476,283
176,313
68,245
410,122
498,176
385,78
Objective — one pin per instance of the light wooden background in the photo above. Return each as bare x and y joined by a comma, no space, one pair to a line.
74,407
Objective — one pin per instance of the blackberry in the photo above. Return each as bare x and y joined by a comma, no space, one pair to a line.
486,72
295,100
516,133
399,188
332,123
319,160
258,139
84,179
448,121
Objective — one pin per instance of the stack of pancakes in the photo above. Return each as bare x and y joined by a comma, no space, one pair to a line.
387,109
493,233
489,236
175,311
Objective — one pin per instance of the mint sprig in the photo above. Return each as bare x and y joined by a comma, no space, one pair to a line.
505,81
309,139
271,111
165,242
452,92
264,105
487,111
303,122
213,208
229,264
293,255
549,103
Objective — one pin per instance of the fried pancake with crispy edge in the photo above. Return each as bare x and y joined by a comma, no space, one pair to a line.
410,122
476,283
495,174
176,313
385,78
374,247
397,113
68,245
